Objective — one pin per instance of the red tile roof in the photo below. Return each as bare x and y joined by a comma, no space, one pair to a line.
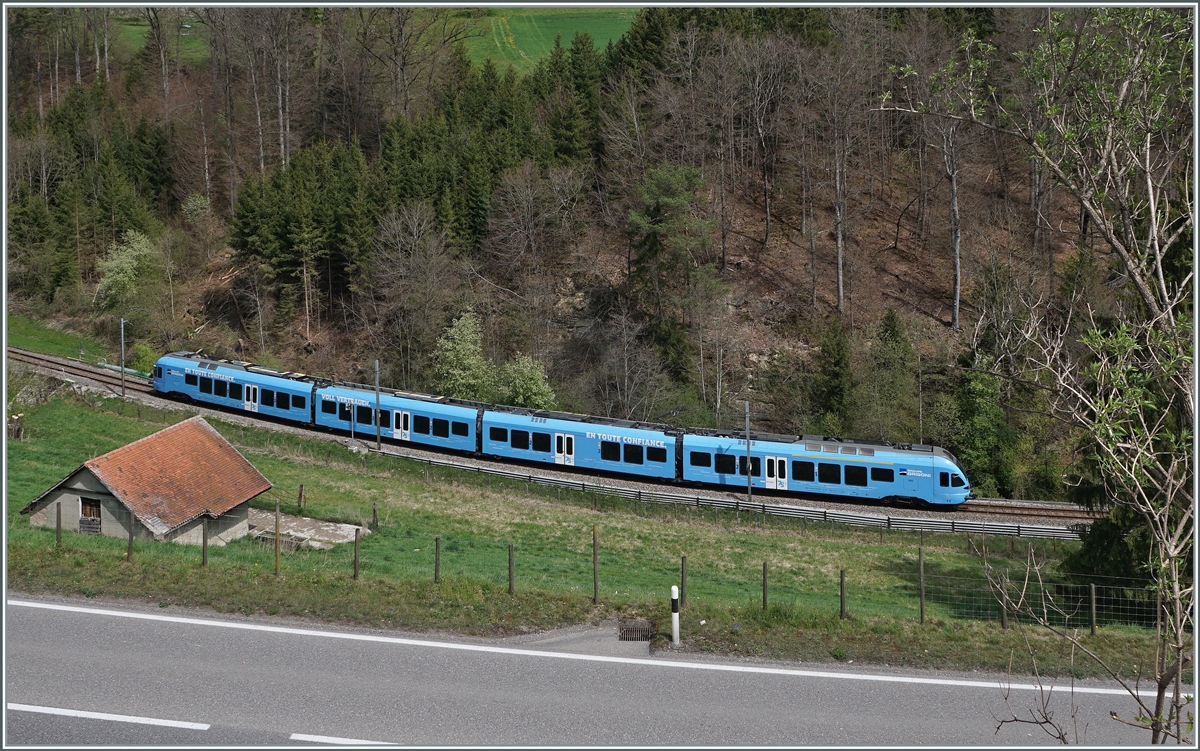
177,474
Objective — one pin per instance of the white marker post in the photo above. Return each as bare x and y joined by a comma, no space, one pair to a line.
675,615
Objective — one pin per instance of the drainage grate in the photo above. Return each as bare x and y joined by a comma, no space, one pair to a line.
635,630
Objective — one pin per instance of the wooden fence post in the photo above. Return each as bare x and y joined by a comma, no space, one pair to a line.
683,582
1092,598
842,591
300,500
764,586
921,580
510,569
357,532
58,524
277,536
129,547
204,542
437,559
375,515
595,566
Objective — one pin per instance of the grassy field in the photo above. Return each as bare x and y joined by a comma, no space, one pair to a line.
510,36
28,333
520,36
640,549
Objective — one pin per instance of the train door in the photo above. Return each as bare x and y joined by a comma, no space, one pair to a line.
400,426
251,402
776,473
564,449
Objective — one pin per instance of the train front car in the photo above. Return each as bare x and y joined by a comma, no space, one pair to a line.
952,488
595,443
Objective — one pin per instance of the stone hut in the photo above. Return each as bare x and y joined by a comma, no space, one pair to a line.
166,485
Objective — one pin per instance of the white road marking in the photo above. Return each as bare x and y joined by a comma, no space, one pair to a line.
334,741
104,716
574,656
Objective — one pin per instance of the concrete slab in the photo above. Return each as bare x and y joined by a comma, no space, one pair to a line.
319,534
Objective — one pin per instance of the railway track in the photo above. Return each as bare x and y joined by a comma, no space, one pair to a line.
1057,511
134,384
70,367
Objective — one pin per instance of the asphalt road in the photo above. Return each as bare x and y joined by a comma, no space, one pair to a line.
253,681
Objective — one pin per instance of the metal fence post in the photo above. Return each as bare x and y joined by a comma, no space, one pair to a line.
921,580
1092,599
842,591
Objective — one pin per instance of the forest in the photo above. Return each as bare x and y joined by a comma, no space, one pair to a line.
915,225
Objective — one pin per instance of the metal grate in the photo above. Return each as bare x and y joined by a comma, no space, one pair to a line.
635,630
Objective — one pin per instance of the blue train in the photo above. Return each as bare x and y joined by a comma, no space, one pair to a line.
804,465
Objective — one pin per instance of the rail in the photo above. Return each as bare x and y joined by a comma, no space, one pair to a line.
906,523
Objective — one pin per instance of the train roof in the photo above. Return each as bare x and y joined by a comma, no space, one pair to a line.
212,363
824,440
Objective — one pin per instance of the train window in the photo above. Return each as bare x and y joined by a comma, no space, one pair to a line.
498,434
700,459
725,464
362,415
802,471
220,388
460,428
570,445
268,398
812,447
281,400
206,386
771,469
235,391
519,439
849,450
755,466
558,444
656,454
404,421
343,412
879,474
328,407
866,452
830,474
610,451
944,479
633,454
541,442
420,424
297,401
956,481
441,428
158,371
190,379
385,418
856,476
